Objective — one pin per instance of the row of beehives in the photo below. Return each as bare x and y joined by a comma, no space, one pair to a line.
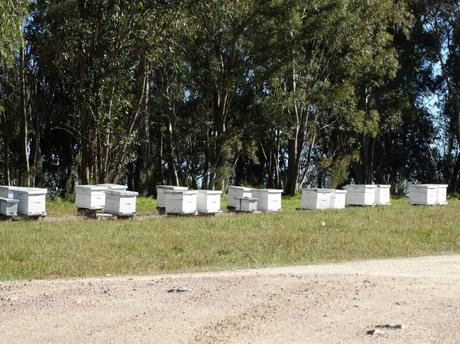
370,195
24,201
111,198
180,200
359,195
115,199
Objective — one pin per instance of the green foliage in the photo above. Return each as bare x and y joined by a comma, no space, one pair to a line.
12,13
210,93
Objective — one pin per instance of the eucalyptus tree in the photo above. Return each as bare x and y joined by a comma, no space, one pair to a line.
443,21
13,87
326,58
100,53
218,61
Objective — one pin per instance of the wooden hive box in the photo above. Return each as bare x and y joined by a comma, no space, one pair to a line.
90,196
442,194
427,194
208,201
362,195
247,204
8,207
316,198
268,199
383,195
237,192
161,189
338,199
120,202
32,201
181,202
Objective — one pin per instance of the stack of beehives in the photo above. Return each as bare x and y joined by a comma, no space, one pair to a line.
24,201
179,200
246,199
111,198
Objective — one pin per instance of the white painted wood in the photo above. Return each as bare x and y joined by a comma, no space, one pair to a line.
236,192
32,201
338,199
442,194
8,206
161,189
208,201
268,199
427,194
120,202
114,186
382,195
363,195
316,198
181,202
7,191
246,204
90,196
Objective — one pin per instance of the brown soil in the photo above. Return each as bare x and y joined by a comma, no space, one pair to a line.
335,303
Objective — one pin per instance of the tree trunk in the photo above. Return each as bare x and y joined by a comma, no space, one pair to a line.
6,141
24,155
219,108
174,178
293,165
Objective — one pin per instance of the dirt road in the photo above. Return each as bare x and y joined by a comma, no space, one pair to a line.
313,304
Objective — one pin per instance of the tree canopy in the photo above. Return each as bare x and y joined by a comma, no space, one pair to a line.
211,93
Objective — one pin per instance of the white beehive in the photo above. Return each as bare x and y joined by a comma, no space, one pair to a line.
316,198
181,202
90,196
208,201
363,195
442,194
425,194
338,199
32,201
236,192
382,195
8,206
246,204
7,191
120,202
161,189
268,199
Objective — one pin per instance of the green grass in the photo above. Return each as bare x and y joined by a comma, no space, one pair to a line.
174,244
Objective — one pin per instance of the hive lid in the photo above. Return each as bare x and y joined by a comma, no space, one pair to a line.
367,186
268,190
171,187
122,192
245,188
210,192
91,187
318,190
384,186
114,186
424,186
9,200
30,191
340,191
184,192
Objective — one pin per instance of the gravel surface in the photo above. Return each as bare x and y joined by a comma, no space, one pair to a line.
415,300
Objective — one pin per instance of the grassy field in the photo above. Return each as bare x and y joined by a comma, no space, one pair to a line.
31,250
